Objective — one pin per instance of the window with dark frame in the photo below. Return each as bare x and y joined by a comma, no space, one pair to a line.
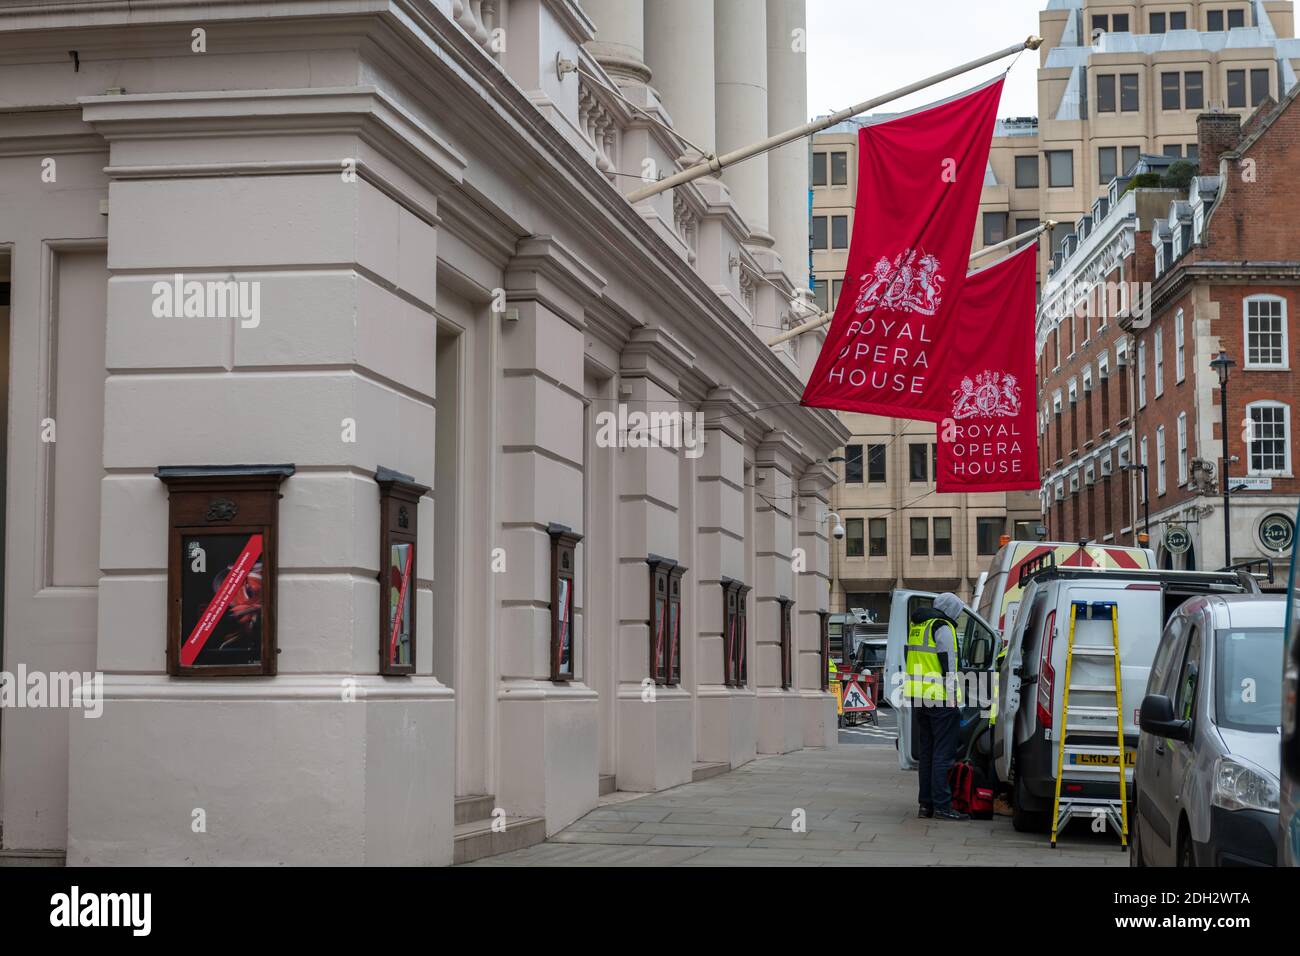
988,532
1107,163
735,633
1171,91
665,620
564,544
1105,92
1119,23
942,536
920,537
876,464
853,464
1157,23
787,641
1100,21
819,295
1236,19
1023,226
819,169
1236,89
995,228
1178,20
1130,156
1214,21
837,286
1060,169
819,237
1172,150
854,544
1128,93
839,232
223,539
839,168
1258,87
824,642
1193,90
877,532
399,510
917,453
1027,171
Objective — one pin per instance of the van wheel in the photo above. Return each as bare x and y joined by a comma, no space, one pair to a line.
1186,854
1135,840
1026,821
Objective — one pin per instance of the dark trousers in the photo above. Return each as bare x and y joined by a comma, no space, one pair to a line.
934,732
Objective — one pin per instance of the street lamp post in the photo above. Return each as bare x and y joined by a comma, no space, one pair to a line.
1221,364
1146,497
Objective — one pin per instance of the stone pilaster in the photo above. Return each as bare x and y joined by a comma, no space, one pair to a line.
740,69
813,589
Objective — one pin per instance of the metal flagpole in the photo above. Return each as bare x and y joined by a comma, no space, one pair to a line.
714,164
819,321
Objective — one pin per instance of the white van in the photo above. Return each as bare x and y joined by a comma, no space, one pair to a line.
1032,677
977,651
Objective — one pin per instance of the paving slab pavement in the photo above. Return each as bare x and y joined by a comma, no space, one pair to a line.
859,809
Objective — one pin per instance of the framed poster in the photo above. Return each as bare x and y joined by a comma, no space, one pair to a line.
399,512
673,666
564,543
787,626
660,625
221,568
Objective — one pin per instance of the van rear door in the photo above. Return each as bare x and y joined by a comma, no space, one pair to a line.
891,685
1140,612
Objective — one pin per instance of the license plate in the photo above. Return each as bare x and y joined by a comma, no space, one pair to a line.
1104,760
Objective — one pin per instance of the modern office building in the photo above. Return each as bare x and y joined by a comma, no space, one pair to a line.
391,466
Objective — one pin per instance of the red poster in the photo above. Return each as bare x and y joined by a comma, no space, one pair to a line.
988,440
890,343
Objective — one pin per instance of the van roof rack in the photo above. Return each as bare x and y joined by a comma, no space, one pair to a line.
1226,576
1248,567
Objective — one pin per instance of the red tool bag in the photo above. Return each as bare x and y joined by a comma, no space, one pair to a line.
969,793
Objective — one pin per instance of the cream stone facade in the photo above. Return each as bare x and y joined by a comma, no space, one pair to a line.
429,195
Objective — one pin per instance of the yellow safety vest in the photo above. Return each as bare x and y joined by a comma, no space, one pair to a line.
925,679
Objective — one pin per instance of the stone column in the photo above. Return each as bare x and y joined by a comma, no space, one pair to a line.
726,715
546,730
780,727
679,51
655,737
740,60
787,107
620,39
813,593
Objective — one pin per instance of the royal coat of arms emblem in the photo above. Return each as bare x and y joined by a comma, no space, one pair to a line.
991,395
913,282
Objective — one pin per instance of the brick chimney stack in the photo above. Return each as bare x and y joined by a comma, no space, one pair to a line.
1216,134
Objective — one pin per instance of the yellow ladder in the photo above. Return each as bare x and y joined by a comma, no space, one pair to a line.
1086,760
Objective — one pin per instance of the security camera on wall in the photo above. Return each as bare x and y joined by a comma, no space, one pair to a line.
838,532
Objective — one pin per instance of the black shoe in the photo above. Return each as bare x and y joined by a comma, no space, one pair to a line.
924,812
948,813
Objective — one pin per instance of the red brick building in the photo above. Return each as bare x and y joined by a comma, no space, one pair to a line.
1226,277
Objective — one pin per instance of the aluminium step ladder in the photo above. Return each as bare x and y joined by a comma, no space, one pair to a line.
1095,760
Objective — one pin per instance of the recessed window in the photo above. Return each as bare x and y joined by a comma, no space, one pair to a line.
819,235
876,464
1107,162
1129,157
1023,226
1158,23
1268,438
920,537
1027,172
853,542
1172,150
837,286
1266,345
1236,89
853,464
1180,346
839,232
1160,460
1142,373
1100,21
988,531
1128,93
1105,92
916,462
1214,21
1258,87
1236,19
1119,23
1159,357
876,528
1171,92
839,169
1060,168
1178,21
1194,90
820,295
1193,153
942,537
1182,448
995,228
819,169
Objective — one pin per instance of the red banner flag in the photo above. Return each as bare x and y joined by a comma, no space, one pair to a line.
919,179
988,440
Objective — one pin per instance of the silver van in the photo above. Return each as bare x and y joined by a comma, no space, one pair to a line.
1031,678
1206,787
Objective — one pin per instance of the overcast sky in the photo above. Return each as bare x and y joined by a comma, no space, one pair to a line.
858,49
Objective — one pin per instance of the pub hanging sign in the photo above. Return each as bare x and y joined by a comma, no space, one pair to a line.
221,568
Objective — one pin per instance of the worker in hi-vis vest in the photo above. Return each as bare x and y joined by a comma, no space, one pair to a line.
932,690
